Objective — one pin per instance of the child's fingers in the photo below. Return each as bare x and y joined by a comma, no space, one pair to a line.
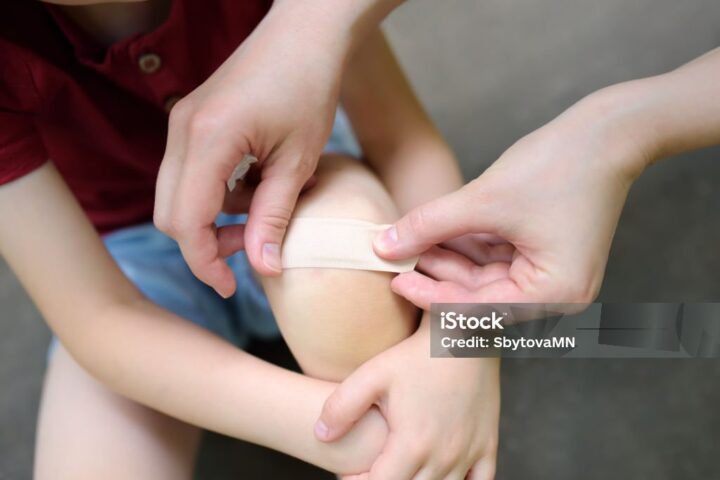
349,402
399,460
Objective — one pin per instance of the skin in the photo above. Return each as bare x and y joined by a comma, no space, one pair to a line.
330,339
544,214
275,97
144,353
449,430
268,118
108,23
411,153
413,391
158,446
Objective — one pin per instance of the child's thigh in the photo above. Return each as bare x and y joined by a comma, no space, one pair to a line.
334,320
85,431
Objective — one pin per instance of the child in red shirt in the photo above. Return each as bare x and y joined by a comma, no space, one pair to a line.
84,99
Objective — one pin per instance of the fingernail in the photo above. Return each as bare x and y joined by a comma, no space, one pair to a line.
387,240
271,256
321,430
222,293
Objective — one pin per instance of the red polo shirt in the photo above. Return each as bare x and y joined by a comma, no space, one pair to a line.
100,115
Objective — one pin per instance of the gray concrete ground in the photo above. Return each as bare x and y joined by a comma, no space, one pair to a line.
490,72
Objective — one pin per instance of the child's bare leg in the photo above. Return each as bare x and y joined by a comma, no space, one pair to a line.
334,320
85,431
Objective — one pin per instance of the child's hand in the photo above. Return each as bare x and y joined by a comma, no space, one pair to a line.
442,412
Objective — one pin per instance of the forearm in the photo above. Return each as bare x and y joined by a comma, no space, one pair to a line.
397,136
659,116
142,351
186,372
343,26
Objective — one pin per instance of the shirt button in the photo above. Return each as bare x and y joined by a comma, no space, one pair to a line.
149,63
170,102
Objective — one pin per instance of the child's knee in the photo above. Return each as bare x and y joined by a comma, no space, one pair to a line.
335,319
346,188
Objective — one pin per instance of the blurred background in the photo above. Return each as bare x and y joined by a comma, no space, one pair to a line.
491,71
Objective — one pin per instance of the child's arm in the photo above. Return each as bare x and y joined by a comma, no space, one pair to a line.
397,136
148,354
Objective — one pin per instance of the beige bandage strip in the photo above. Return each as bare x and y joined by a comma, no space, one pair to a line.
337,243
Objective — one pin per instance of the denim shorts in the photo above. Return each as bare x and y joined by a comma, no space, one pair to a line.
152,261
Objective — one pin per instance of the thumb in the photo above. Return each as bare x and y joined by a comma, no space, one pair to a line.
456,214
349,402
271,207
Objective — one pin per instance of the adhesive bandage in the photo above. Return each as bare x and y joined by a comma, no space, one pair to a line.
337,243
240,171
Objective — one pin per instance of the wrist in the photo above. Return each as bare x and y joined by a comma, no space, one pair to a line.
622,118
340,25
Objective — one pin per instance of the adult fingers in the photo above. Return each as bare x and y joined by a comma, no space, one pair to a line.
481,248
423,291
442,264
349,402
201,251
270,211
433,473
170,170
484,469
360,476
239,200
460,471
212,154
447,217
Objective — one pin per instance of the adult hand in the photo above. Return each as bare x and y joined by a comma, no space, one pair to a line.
442,413
275,98
537,225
